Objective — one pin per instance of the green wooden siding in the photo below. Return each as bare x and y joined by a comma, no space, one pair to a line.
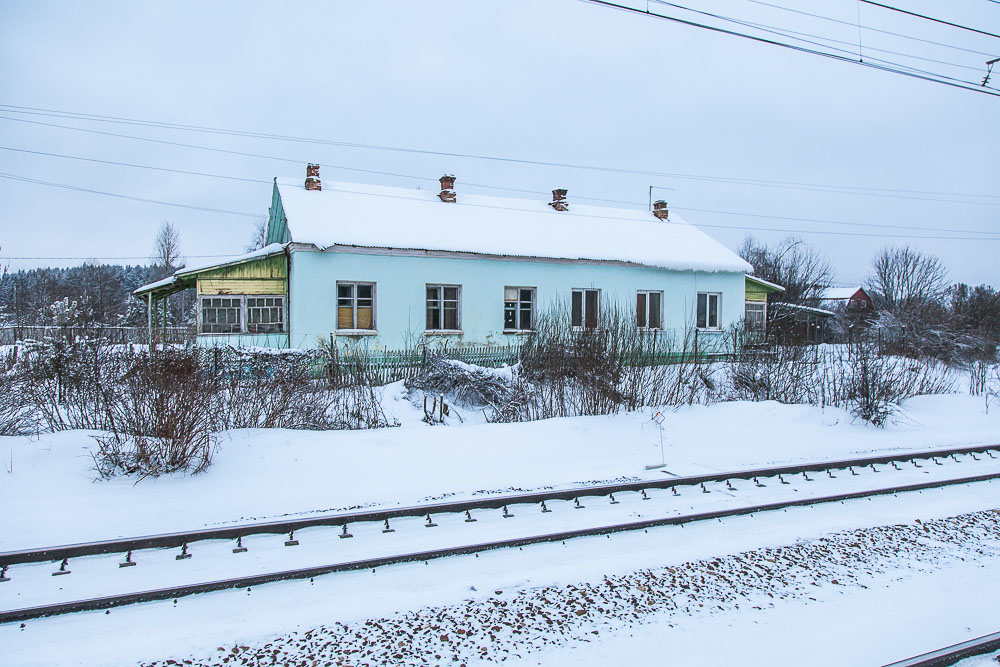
277,223
268,275
757,292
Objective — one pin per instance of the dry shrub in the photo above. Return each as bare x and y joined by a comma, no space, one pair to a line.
159,417
63,380
565,372
462,383
263,389
16,415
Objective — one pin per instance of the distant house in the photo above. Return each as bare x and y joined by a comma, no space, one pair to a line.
849,299
755,303
392,267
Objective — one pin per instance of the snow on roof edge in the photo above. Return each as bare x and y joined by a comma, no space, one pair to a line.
392,217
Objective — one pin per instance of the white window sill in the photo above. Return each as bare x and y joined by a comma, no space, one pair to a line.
444,332
518,332
712,331
356,332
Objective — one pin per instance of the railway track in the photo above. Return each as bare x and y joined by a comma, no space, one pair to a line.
938,465
952,654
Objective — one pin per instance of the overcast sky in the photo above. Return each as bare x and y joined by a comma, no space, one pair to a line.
558,81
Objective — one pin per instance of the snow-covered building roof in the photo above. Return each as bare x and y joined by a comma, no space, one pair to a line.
182,277
351,214
838,293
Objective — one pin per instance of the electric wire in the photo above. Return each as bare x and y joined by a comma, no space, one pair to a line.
929,18
568,214
15,177
791,35
742,181
870,29
965,85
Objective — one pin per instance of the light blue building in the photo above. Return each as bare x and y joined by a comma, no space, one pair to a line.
391,268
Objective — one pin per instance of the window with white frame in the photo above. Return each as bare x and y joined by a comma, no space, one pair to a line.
649,309
708,310
355,306
584,308
444,307
241,313
518,308
755,315
265,314
221,314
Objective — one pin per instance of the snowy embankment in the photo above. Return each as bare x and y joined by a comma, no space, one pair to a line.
859,583
51,495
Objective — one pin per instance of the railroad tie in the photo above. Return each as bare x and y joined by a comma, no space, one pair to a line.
239,548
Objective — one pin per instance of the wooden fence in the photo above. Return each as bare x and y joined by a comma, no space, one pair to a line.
10,335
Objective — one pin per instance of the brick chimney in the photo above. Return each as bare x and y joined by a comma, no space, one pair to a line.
447,193
312,177
559,202
660,209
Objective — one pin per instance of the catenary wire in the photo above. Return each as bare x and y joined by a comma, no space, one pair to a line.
870,29
929,18
801,49
791,35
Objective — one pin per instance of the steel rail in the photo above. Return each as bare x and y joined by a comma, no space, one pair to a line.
94,604
175,540
952,654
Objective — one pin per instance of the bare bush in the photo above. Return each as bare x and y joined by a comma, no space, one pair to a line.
64,379
159,417
16,415
616,366
463,383
261,389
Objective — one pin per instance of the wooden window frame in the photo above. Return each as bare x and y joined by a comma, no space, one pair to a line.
243,324
354,330
583,309
246,312
763,315
440,287
648,326
708,311
518,305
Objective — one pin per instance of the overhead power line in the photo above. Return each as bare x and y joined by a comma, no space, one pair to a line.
842,189
922,16
909,235
964,85
734,213
791,34
15,177
870,29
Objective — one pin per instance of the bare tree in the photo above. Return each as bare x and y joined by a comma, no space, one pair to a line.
907,280
167,249
259,239
793,264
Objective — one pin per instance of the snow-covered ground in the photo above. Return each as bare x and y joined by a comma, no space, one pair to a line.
799,580
53,497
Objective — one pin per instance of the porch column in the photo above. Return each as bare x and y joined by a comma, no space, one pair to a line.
149,319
